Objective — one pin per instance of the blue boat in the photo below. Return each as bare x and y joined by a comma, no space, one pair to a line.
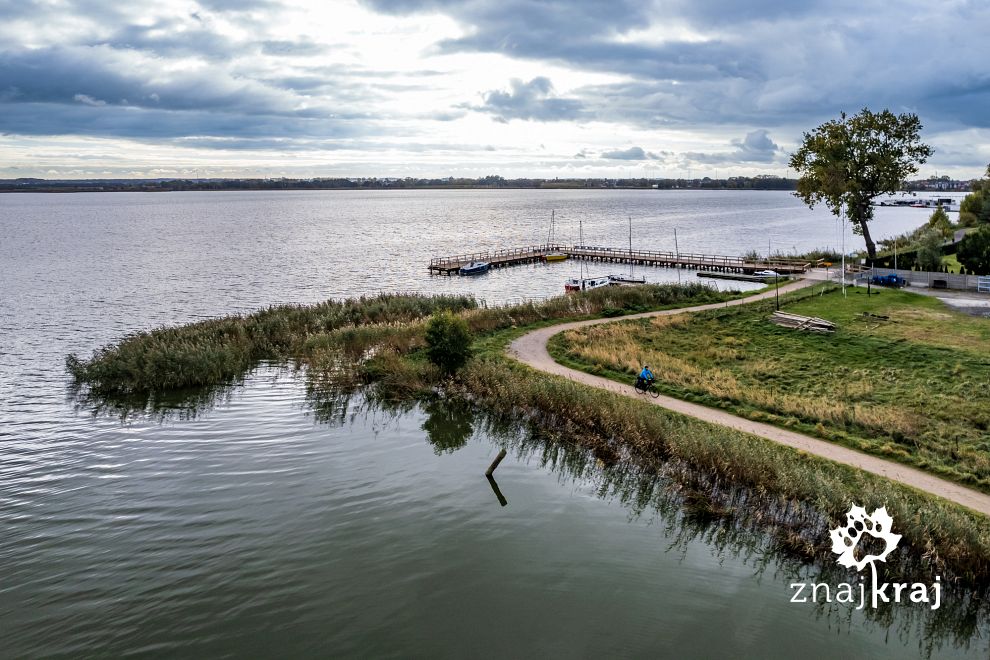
474,268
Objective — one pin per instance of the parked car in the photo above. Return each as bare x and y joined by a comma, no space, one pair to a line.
892,280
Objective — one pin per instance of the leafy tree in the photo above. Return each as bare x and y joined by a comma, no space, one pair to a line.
846,162
930,251
974,252
975,207
448,341
940,222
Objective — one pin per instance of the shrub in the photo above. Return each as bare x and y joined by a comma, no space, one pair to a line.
930,251
448,341
974,252
939,221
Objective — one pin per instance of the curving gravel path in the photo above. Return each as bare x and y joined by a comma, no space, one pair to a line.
531,349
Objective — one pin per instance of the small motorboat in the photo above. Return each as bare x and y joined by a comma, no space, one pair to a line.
474,268
555,256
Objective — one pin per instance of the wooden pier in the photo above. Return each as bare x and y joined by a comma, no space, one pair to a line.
691,261
742,277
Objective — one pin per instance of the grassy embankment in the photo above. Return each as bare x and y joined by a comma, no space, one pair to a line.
718,472
908,387
220,351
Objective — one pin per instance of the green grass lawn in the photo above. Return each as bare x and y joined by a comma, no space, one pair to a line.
912,387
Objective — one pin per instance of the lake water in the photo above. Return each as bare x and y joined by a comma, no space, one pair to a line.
261,527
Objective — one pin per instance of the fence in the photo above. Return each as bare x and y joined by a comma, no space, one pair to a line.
931,279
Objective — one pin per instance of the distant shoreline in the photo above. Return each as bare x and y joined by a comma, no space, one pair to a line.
759,182
184,185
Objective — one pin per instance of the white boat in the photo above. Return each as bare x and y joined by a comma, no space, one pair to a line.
587,283
913,201
900,199
627,279
631,278
583,283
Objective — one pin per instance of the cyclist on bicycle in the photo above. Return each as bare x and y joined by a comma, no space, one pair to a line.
646,376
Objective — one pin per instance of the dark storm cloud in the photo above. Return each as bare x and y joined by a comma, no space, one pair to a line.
119,121
175,38
221,71
779,62
756,147
62,75
632,153
526,17
292,48
579,32
529,100
100,91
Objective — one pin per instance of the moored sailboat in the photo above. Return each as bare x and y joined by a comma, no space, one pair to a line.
586,283
555,255
631,278
583,283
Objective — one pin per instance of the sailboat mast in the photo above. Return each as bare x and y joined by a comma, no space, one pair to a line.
581,242
630,248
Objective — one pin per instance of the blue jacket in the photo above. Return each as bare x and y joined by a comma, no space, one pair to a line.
646,374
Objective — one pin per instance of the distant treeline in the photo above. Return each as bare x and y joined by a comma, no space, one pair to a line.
762,182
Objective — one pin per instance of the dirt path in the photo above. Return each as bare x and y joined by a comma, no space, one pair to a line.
531,349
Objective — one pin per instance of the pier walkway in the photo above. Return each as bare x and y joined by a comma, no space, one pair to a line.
535,253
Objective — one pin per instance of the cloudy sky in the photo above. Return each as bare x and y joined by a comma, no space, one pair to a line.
473,87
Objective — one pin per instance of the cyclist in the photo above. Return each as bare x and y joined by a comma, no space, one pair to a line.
646,377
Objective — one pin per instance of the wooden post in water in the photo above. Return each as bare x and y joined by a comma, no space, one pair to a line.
498,459
498,493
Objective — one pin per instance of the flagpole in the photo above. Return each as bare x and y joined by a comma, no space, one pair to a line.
843,225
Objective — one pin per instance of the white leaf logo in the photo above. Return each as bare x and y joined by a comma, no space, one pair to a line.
845,539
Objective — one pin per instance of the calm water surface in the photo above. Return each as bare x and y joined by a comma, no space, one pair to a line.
261,527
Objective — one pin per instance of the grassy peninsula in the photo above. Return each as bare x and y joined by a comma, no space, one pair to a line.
903,376
378,344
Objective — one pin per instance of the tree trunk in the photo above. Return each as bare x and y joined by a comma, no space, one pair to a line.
871,247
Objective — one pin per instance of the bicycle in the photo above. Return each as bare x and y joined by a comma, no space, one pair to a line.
644,386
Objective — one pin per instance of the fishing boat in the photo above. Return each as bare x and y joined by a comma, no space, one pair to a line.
555,255
631,278
474,268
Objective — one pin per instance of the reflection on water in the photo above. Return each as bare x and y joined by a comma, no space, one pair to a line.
448,424
279,519
248,529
